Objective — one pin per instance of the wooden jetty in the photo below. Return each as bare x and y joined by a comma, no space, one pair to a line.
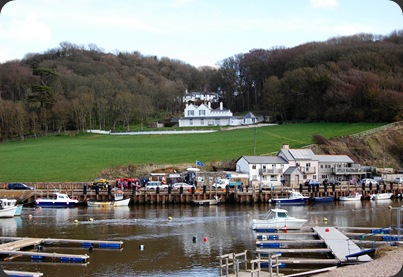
14,247
204,192
342,246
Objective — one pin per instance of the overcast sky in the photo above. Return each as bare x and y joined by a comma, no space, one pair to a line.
198,32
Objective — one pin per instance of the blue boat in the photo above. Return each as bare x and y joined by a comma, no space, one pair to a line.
295,197
321,199
59,200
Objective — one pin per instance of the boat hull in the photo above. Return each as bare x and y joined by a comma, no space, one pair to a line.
8,212
342,198
118,203
299,201
322,199
382,196
54,204
281,224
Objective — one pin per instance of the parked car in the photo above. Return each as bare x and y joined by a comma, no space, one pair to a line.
398,180
312,182
101,183
334,182
153,185
185,186
127,183
368,181
19,186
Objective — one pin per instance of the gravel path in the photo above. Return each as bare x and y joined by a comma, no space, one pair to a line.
388,262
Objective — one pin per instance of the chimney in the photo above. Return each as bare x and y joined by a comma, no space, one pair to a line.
221,107
285,147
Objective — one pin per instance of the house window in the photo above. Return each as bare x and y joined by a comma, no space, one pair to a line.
321,166
202,112
253,166
202,121
273,178
297,164
304,177
191,113
308,165
254,177
191,122
324,176
314,177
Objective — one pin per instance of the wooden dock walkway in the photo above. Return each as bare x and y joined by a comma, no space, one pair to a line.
13,247
341,245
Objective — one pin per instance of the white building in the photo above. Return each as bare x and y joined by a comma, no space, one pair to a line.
205,116
198,116
294,166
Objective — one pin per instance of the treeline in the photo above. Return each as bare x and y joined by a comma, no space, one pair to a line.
72,87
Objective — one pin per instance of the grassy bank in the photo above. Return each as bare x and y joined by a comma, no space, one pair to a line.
82,157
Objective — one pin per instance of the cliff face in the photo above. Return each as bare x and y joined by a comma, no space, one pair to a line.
381,147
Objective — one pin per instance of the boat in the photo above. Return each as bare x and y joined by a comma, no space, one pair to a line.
57,200
7,207
353,196
118,201
295,197
278,219
381,196
321,199
207,202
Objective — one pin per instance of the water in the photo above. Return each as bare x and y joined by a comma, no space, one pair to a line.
169,249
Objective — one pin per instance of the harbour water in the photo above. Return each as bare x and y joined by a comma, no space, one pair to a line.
172,240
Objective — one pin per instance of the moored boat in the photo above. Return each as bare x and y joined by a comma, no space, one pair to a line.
7,207
381,196
295,197
207,202
57,200
353,196
119,200
278,219
321,199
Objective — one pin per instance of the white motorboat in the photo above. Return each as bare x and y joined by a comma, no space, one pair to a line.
119,200
278,219
353,196
57,200
295,197
7,207
207,202
381,196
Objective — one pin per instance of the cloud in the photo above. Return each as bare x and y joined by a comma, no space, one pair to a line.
327,4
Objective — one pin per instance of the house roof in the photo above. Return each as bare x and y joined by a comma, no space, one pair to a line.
249,115
334,159
291,170
298,154
264,159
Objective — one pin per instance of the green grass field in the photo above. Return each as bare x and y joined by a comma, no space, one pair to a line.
82,157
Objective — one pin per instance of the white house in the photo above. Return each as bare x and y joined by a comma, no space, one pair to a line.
263,170
206,116
294,166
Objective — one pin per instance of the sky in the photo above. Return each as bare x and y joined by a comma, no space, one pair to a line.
197,32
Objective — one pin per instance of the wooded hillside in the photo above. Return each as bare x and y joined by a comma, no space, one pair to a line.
71,87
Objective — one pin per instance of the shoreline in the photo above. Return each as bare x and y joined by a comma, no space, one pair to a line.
388,262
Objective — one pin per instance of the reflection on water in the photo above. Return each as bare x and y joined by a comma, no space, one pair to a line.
167,232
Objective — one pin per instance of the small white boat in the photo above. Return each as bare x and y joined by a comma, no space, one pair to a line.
381,196
7,207
353,196
278,219
295,197
58,200
207,202
119,200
